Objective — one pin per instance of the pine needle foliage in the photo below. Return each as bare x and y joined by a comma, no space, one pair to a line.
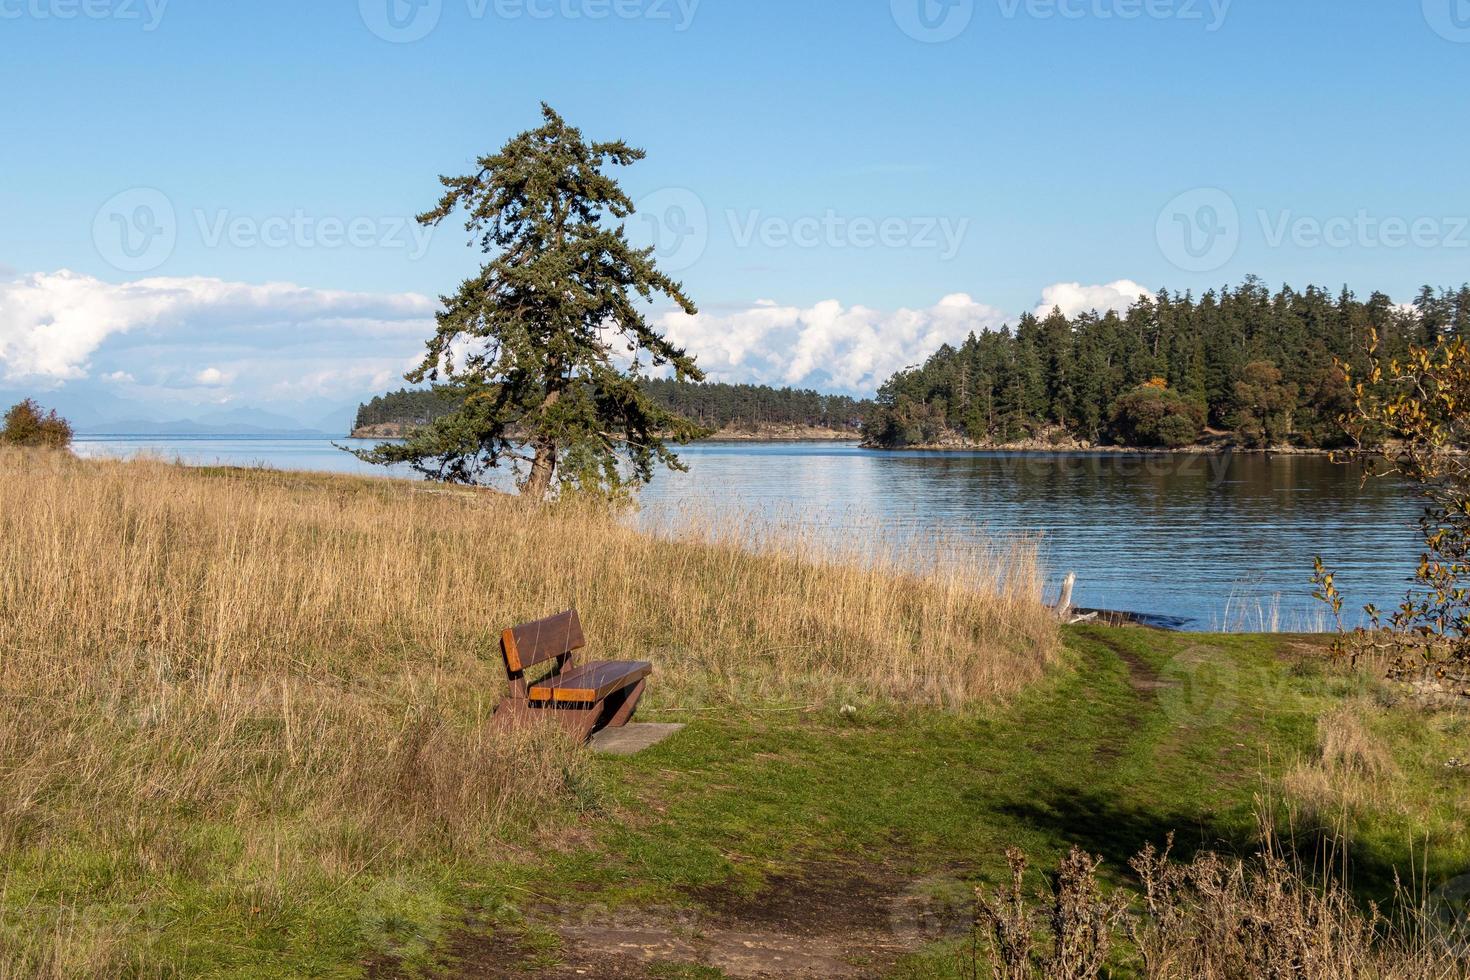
549,341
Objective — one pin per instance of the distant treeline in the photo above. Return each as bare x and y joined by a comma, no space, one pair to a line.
1256,364
720,406
715,406
408,407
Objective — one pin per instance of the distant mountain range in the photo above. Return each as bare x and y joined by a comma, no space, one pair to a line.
94,412
193,427
231,422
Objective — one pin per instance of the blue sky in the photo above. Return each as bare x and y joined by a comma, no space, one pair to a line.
850,184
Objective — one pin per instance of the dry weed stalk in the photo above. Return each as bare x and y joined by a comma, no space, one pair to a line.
1214,918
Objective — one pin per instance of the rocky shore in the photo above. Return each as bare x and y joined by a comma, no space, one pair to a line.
1213,444
763,433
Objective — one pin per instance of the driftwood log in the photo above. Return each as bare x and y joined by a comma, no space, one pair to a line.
1069,613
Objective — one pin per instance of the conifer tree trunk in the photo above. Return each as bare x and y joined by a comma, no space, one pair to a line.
542,468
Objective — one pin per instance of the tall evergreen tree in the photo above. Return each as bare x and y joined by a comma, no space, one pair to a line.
530,341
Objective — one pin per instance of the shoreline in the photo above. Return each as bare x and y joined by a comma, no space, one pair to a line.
1083,450
794,433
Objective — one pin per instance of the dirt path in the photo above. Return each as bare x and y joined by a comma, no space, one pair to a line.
1142,677
1083,761
821,920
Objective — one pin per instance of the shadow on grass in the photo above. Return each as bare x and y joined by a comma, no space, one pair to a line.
1117,832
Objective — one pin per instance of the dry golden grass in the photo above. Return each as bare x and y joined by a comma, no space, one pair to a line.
251,574
264,689
1352,771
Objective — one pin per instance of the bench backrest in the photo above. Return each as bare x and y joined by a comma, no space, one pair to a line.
530,644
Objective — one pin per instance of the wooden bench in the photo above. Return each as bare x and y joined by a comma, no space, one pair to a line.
583,698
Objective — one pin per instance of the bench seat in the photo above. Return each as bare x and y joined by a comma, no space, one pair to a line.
591,683
581,697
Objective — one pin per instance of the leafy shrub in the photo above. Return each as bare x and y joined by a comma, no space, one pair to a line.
1264,404
1410,417
30,426
905,423
1151,415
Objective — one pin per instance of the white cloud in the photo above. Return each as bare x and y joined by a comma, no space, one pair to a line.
374,375
827,345
1073,298
181,339
51,324
856,348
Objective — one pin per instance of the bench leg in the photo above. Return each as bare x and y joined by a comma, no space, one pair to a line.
624,712
579,723
510,713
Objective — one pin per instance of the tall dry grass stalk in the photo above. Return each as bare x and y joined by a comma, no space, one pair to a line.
1352,771
262,686
1213,918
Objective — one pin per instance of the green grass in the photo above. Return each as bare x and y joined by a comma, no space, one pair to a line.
1140,735
1135,735
1085,759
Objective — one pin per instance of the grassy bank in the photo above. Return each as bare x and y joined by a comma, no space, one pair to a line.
826,846
244,734
245,713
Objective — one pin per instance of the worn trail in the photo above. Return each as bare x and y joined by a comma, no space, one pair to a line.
789,849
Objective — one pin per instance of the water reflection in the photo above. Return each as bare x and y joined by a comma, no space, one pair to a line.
1215,541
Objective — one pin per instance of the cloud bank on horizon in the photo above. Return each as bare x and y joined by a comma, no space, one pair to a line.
161,343
207,341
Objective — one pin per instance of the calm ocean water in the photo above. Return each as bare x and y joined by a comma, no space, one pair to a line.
1212,542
